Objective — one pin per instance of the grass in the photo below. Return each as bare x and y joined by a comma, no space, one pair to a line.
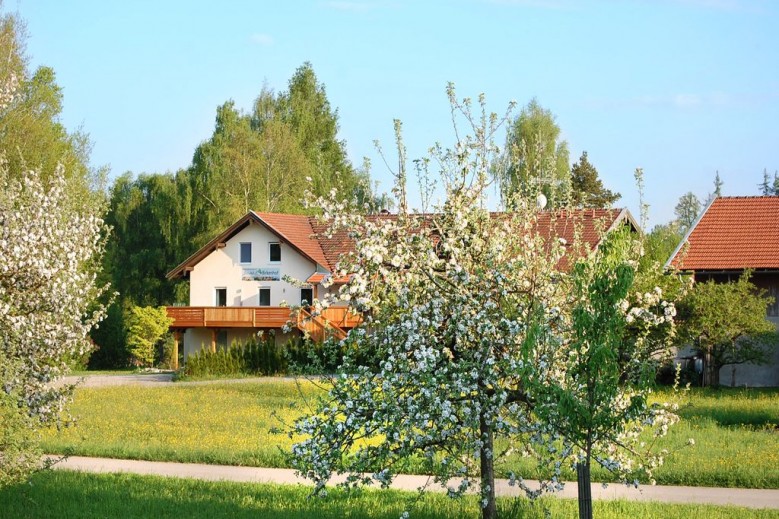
63,494
215,423
735,431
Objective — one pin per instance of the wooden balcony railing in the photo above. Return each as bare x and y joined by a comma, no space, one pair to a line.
252,317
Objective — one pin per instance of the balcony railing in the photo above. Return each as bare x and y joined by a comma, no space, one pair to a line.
252,317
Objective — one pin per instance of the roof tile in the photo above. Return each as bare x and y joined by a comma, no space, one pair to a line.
735,232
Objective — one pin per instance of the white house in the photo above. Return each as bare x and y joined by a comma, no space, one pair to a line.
239,281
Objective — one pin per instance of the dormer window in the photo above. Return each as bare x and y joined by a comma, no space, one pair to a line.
246,252
275,252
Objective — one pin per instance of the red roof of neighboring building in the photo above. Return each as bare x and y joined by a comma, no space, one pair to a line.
307,235
734,233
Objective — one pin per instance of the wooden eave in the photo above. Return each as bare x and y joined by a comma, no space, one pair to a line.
624,217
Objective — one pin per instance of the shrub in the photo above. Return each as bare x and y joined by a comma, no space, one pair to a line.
263,356
146,328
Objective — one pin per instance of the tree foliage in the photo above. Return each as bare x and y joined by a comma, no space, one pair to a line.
769,186
535,159
49,248
263,161
147,325
469,324
600,399
687,210
149,218
727,321
31,134
587,190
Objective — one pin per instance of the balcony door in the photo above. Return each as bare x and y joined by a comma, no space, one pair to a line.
306,297
264,296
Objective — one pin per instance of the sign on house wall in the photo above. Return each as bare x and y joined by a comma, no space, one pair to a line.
261,274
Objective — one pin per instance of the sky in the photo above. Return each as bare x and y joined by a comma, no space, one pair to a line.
680,88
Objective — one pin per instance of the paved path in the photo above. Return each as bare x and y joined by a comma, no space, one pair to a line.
752,498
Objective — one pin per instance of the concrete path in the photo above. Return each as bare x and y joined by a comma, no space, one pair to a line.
751,498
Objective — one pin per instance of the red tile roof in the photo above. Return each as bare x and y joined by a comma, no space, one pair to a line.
735,232
589,223
306,234
296,230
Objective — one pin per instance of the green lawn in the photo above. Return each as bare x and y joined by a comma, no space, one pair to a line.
735,431
62,494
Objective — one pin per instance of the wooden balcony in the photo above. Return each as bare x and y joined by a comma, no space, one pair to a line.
251,317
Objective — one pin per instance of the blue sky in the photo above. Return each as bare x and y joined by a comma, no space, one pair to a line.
681,88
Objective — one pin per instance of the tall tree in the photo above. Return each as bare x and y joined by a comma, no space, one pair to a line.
149,219
266,160
766,187
245,166
31,134
717,190
687,210
717,185
536,160
587,190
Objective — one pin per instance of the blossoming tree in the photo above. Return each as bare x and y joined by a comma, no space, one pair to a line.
467,317
49,249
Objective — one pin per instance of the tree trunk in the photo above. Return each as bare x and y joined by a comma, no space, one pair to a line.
710,371
585,489
487,461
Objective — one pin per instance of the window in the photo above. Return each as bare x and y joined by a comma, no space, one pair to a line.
306,296
773,308
265,296
275,252
246,253
220,298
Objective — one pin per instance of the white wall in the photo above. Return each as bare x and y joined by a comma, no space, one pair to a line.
222,268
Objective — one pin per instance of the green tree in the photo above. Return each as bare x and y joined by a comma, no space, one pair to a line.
660,243
149,218
717,190
587,189
727,321
266,160
687,210
766,187
535,160
31,134
717,185
245,167
147,326
601,397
